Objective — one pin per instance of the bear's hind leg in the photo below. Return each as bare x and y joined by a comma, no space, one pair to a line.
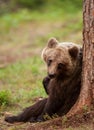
29,113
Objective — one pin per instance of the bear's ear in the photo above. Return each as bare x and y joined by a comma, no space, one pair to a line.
52,42
73,52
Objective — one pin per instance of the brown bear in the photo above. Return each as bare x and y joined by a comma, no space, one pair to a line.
63,83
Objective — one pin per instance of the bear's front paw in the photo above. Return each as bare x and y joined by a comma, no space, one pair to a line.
11,119
46,81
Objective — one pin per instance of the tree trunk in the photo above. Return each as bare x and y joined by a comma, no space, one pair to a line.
86,97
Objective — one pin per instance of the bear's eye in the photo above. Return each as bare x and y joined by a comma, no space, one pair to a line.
49,62
60,65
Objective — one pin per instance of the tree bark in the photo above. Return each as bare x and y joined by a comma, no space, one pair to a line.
86,97
88,49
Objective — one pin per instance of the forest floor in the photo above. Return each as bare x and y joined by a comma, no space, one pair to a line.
83,121
22,70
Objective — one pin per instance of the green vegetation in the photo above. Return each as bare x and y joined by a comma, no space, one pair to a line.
30,3
5,98
24,81
12,5
51,11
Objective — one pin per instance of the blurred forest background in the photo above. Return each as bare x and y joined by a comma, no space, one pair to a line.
25,27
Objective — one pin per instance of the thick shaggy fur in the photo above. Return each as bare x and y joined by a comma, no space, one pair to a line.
62,84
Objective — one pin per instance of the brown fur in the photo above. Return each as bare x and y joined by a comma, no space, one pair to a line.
63,83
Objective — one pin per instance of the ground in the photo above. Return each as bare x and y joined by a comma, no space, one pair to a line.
83,121
22,39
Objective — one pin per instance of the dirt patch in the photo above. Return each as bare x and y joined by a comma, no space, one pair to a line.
77,121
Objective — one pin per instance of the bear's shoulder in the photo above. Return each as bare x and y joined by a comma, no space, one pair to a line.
69,45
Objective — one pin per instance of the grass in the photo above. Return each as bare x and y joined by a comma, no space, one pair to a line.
5,98
23,79
51,13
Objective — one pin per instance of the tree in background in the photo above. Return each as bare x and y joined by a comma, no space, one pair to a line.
86,98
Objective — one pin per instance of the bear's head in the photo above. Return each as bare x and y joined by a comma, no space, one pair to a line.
61,58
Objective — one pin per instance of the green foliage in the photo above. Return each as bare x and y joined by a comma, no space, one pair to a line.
54,3
30,3
15,5
5,97
24,79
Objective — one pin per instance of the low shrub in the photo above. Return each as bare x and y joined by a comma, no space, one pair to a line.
5,97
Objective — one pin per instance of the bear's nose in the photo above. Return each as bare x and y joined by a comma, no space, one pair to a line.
51,75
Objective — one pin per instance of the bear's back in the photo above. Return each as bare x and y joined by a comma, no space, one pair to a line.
69,45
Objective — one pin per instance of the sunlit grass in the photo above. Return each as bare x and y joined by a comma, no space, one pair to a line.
53,13
24,79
